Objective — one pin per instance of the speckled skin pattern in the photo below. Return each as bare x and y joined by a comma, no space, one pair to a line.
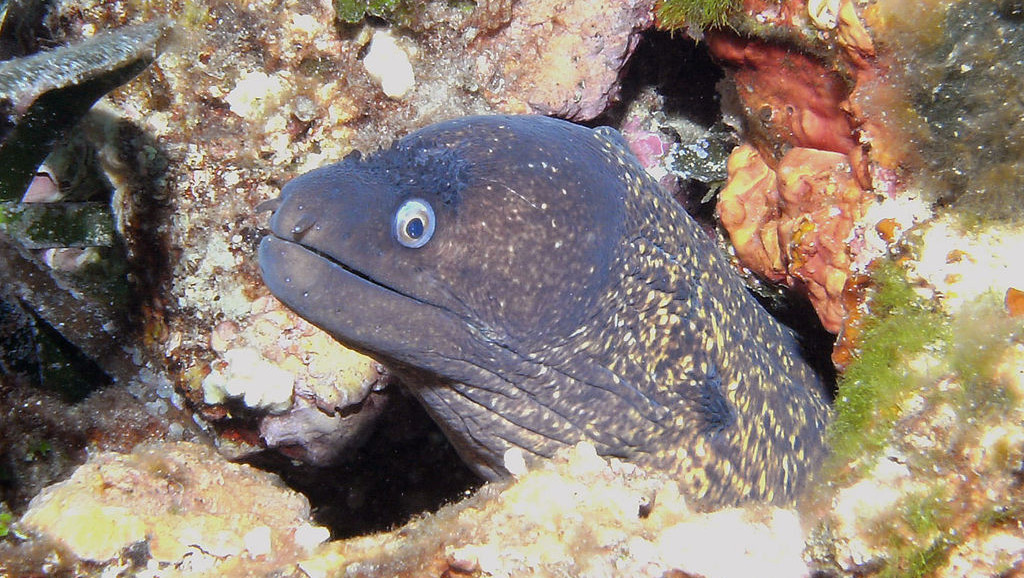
564,296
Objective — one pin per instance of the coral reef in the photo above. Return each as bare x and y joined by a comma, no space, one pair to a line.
858,118
902,89
277,358
788,98
861,120
182,510
46,435
77,287
192,512
792,224
299,95
566,66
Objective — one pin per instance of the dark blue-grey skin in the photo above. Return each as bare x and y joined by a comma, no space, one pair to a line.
536,288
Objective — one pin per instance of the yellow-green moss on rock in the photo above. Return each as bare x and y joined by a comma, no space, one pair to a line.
928,437
901,325
675,14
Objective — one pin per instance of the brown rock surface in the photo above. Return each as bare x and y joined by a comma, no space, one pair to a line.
561,57
185,502
793,224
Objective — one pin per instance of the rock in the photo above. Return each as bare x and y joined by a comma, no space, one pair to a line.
566,66
789,98
311,435
45,94
578,515
938,100
307,392
183,501
389,65
42,96
928,437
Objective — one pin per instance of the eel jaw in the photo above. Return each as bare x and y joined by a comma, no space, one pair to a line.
384,324
354,308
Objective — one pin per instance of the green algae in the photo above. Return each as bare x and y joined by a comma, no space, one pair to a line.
902,324
907,344
925,387
5,523
352,11
677,14
406,14
49,225
920,540
959,73
928,526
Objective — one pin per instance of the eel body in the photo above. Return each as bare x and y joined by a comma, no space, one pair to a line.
536,288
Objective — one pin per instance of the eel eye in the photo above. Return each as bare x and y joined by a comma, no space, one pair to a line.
414,223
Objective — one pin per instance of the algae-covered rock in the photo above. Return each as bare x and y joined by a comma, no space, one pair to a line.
184,502
566,66
928,441
577,515
949,107
355,10
673,14
49,225
44,94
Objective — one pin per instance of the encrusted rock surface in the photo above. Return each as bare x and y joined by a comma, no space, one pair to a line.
182,510
830,177
610,519
793,224
567,65
192,512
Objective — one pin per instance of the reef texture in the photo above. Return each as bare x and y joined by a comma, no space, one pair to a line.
567,66
792,224
861,120
940,101
174,509
181,510
44,94
610,519
246,96
904,91
928,442
799,185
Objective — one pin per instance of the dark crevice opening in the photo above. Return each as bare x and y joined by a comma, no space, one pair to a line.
406,467
680,69
686,77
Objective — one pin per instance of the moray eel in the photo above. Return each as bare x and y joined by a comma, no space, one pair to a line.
535,288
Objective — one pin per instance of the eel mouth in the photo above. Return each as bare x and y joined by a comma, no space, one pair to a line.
340,264
363,313
310,256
